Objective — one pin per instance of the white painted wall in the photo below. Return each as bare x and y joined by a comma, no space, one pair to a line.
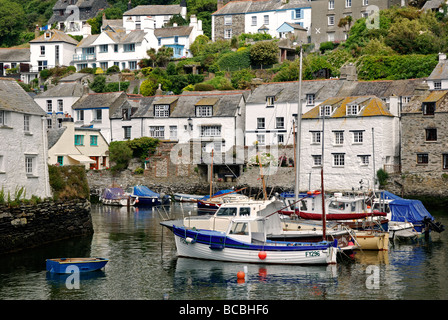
15,145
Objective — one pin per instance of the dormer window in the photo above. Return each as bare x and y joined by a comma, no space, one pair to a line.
310,99
437,85
429,108
270,101
161,111
326,110
204,111
47,35
353,110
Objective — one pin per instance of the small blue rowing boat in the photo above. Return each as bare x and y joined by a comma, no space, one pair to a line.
69,265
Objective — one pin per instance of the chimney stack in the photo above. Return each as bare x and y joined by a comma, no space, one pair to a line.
36,32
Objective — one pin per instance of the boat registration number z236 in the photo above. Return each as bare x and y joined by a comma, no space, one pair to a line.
312,254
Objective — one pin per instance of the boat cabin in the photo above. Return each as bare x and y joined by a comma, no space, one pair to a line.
228,211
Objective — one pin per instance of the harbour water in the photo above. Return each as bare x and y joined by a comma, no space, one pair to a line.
143,266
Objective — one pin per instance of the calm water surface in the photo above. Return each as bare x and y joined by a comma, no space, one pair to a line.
143,265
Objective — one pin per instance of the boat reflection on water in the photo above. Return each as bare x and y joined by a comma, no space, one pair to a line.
207,277
369,257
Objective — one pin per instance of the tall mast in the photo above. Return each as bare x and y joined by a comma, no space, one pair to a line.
298,131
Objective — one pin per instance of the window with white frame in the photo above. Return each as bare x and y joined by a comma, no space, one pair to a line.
437,85
227,33
364,160
280,122
330,4
26,122
365,2
326,110
42,50
4,118
338,159
330,36
127,132
353,109
104,48
317,160
331,20
30,165
97,115
49,106
157,132
204,111
2,163
161,110
261,124
358,137
49,123
270,101
338,138
315,137
41,65
173,132
281,138
210,131
132,65
60,105
228,20
254,20
261,139
310,99
266,19
79,115
348,3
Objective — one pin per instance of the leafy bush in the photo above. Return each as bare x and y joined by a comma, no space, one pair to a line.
143,147
233,61
396,67
113,69
203,87
264,53
120,153
68,182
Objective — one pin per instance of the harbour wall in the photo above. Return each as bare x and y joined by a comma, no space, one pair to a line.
30,225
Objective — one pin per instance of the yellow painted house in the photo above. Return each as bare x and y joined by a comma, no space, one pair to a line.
77,146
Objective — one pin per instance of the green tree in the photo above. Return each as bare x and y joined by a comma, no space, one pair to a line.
98,84
148,87
12,23
120,153
264,53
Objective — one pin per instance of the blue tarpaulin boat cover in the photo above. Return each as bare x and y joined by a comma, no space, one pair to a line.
144,191
406,209
220,192
113,193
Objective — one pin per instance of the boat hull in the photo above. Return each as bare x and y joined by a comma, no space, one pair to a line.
217,246
146,201
69,265
339,216
368,240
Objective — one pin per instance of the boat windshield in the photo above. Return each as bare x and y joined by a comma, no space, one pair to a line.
240,228
227,211
245,211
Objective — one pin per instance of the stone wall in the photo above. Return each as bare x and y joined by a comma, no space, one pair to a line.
237,26
27,226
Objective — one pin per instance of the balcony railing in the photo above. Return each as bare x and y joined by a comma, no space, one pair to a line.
84,57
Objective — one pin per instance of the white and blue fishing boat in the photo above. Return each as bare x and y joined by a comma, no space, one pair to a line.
408,218
116,197
212,203
69,265
245,241
143,196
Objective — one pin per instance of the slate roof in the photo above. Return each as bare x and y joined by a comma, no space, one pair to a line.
87,9
169,32
15,54
437,96
224,103
68,89
56,36
54,135
119,36
370,106
248,6
111,100
288,91
14,98
440,72
154,10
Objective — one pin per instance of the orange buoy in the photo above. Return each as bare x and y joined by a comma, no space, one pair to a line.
240,275
262,255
